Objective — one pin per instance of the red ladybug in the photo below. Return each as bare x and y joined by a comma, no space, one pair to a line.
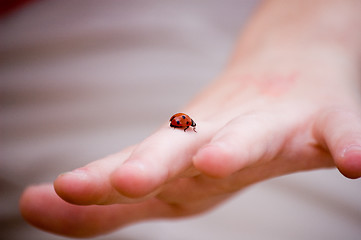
182,120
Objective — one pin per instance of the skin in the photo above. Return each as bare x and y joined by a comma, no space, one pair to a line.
288,101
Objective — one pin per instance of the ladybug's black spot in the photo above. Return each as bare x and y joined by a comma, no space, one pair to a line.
178,122
187,123
184,117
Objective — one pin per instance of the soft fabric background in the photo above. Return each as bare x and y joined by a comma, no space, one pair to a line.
82,79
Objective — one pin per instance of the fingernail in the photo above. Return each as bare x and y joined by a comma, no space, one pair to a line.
79,173
351,149
350,166
139,166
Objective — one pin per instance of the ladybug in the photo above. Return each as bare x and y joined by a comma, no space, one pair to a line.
182,120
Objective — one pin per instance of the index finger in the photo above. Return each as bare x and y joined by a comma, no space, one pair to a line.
158,159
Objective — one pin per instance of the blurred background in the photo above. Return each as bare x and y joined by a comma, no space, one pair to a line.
83,79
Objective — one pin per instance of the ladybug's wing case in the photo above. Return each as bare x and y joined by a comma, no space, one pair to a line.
175,115
175,122
181,120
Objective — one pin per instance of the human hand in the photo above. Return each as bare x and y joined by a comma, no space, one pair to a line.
251,125
266,116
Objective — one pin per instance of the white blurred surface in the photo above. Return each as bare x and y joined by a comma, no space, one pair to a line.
82,79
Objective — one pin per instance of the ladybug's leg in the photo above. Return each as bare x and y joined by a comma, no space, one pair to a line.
186,128
194,129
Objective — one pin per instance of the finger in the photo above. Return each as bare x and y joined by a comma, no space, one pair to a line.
340,131
41,207
244,141
91,184
158,159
